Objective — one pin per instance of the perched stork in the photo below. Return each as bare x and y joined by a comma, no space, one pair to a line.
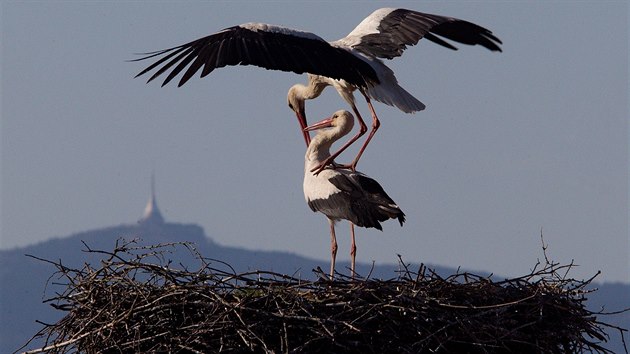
342,193
350,63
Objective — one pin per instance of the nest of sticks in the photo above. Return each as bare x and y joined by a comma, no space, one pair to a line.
137,301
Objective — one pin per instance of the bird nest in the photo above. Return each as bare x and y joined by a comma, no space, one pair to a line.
137,301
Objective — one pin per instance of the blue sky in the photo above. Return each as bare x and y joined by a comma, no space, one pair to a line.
532,138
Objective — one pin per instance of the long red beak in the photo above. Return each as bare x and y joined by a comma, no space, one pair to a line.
301,117
326,123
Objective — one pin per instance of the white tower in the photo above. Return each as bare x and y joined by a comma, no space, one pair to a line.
152,214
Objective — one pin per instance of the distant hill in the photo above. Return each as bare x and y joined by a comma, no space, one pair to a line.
23,279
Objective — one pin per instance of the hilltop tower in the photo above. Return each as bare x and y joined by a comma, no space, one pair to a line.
152,214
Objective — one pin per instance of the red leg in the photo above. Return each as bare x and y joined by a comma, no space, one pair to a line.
333,248
362,130
375,125
353,250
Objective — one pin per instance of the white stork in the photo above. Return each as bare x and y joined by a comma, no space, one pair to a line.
350,63
342,193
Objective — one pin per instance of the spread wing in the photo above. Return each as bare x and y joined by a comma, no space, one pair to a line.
267,46
387,32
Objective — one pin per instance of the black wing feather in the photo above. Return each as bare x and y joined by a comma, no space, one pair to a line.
190,55
369,204
401,28
274,50
201,58
467,33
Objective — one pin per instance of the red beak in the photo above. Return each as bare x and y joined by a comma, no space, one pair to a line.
301,116
326,123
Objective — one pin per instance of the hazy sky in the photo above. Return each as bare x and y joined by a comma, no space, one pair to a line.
532,138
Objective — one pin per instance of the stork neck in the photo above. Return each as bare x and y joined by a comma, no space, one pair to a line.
319,148
313,90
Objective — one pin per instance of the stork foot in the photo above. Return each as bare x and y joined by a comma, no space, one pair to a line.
352,166
330,163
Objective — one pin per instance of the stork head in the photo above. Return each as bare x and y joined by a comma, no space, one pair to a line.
295,99
341,121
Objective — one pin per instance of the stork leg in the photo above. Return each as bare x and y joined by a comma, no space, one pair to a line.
333,248
375,125
353,250
330,160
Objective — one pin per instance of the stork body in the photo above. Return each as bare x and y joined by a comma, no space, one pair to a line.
342,193
348,64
